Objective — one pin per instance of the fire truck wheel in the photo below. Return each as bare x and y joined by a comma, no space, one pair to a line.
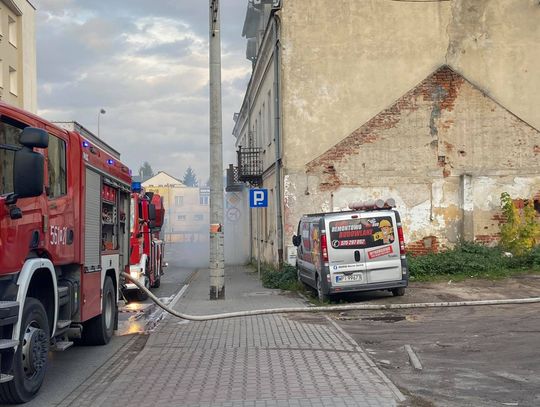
141,295
30,360
99,330
157,278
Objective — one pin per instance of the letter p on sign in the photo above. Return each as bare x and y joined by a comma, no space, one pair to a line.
258,198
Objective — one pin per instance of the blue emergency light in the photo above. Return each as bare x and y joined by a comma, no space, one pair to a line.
136,186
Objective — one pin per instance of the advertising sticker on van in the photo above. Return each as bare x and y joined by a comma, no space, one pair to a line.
361,233
380,252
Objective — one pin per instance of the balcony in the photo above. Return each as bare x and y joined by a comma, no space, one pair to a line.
250,166
233,183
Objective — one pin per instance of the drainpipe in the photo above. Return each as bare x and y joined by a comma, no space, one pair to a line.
250,209
277,137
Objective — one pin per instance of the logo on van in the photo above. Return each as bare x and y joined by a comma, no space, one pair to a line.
362,233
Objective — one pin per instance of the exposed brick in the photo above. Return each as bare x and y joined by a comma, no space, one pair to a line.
427,245
440,90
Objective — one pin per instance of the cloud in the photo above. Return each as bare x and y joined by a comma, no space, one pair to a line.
148,67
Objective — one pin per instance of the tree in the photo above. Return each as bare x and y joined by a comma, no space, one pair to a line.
146,171
190,178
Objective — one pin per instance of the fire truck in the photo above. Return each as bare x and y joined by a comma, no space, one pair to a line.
146,247
64,239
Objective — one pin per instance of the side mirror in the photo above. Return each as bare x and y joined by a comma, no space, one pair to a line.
33,137
28,170
296,240
152,212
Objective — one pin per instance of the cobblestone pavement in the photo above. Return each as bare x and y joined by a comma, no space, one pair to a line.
271,360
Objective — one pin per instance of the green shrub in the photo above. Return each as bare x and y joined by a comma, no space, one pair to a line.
471,260
284,279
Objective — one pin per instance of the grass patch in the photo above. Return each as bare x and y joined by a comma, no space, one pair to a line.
471,261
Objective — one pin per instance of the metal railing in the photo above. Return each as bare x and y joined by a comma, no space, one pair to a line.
250,165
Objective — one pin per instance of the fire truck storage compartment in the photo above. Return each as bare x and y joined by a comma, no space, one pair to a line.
92,224
109,218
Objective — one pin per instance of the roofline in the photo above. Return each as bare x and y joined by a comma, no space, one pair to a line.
10,4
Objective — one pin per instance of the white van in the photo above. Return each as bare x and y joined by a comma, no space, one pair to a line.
350,251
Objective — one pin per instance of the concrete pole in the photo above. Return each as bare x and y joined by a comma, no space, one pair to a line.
217,254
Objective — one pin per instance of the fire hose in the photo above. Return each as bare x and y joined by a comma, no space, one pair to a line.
351,307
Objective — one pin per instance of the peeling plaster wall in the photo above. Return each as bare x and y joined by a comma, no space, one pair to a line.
344,61
495,44
441,151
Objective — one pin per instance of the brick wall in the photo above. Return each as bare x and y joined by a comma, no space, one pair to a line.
427,245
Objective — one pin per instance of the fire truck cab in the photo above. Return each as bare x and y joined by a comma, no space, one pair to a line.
64,238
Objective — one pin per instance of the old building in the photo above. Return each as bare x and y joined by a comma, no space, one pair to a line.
434,103
18,77
187,215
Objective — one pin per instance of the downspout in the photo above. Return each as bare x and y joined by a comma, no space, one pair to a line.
249,145
277,137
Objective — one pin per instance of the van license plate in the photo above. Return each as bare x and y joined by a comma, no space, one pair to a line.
352,277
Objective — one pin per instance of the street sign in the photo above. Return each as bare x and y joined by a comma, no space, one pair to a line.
258,198
233,214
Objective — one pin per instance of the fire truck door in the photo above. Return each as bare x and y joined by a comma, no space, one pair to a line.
59,227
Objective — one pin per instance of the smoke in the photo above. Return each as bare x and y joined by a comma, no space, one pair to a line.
187,254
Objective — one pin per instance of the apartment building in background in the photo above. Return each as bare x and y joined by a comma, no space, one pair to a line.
432,103
187,213
18,74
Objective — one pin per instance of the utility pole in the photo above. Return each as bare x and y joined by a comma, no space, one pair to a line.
217,254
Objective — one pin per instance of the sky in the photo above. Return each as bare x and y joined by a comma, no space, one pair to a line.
146,64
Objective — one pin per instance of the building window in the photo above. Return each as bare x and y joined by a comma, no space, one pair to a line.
198,217
269,118
178,201
260,135
264,134
13,81
56,165
203,200
12,31
181,217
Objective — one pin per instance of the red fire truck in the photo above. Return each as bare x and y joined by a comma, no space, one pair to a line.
146,248
64,238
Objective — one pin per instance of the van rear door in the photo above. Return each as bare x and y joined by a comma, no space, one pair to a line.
382,253
346,237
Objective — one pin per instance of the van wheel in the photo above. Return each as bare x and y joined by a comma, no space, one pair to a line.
398,292
322,296
30,360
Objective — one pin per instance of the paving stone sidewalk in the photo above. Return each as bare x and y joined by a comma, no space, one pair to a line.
271,360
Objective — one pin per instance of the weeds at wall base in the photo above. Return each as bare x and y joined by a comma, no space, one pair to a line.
470,260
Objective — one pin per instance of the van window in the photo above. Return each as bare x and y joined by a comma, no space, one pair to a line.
306,241
362,233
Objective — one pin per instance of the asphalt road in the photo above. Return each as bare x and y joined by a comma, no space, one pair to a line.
69,369
471,356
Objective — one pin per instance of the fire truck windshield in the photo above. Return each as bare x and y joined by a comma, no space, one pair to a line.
9,136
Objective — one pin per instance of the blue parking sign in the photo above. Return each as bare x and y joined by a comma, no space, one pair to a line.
258,198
